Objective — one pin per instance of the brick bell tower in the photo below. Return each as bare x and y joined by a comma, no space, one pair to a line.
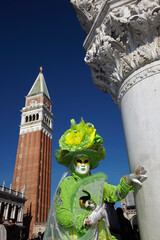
33,160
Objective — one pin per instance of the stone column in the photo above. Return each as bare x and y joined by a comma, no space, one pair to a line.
13,211
20,214
123,52
6,209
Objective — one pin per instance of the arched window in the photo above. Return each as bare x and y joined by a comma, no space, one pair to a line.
30,118
26,119
37,116
34,117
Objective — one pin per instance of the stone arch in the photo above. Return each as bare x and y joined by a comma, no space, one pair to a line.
26,119
37,116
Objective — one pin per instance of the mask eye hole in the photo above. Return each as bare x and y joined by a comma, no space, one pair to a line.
79,161
86,161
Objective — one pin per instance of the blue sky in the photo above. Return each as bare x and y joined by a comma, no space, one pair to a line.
47,33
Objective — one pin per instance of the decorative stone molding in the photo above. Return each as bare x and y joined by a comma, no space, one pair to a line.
33,105
136,77
46,130
127,39
87,11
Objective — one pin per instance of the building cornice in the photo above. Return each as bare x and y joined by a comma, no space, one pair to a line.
37,107
12,195
34,127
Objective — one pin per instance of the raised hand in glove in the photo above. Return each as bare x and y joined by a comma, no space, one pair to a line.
136,177
95,216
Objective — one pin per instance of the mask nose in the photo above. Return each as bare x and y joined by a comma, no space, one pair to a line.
83,165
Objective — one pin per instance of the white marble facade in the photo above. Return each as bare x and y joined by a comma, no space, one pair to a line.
12,204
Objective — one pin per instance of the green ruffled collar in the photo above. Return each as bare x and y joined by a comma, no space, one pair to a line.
79,176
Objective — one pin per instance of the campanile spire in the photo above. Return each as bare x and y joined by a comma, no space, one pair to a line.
33,160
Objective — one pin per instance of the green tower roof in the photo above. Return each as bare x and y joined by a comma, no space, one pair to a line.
39,86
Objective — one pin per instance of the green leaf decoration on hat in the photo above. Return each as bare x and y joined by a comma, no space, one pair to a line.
78,137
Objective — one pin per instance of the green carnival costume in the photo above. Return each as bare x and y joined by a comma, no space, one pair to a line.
81,195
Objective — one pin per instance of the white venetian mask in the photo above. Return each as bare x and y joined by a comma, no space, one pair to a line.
81,164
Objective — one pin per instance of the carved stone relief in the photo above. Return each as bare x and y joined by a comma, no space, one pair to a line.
86,11
128,39
33,103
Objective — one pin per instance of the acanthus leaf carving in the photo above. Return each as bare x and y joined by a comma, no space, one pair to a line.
127,39
86,11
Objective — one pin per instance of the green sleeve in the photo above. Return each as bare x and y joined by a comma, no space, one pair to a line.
113,193
63,207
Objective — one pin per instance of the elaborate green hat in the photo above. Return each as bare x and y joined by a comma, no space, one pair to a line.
80,139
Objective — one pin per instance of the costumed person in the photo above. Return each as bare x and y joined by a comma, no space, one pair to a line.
78,209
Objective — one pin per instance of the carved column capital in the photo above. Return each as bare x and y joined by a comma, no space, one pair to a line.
127,38
87,11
